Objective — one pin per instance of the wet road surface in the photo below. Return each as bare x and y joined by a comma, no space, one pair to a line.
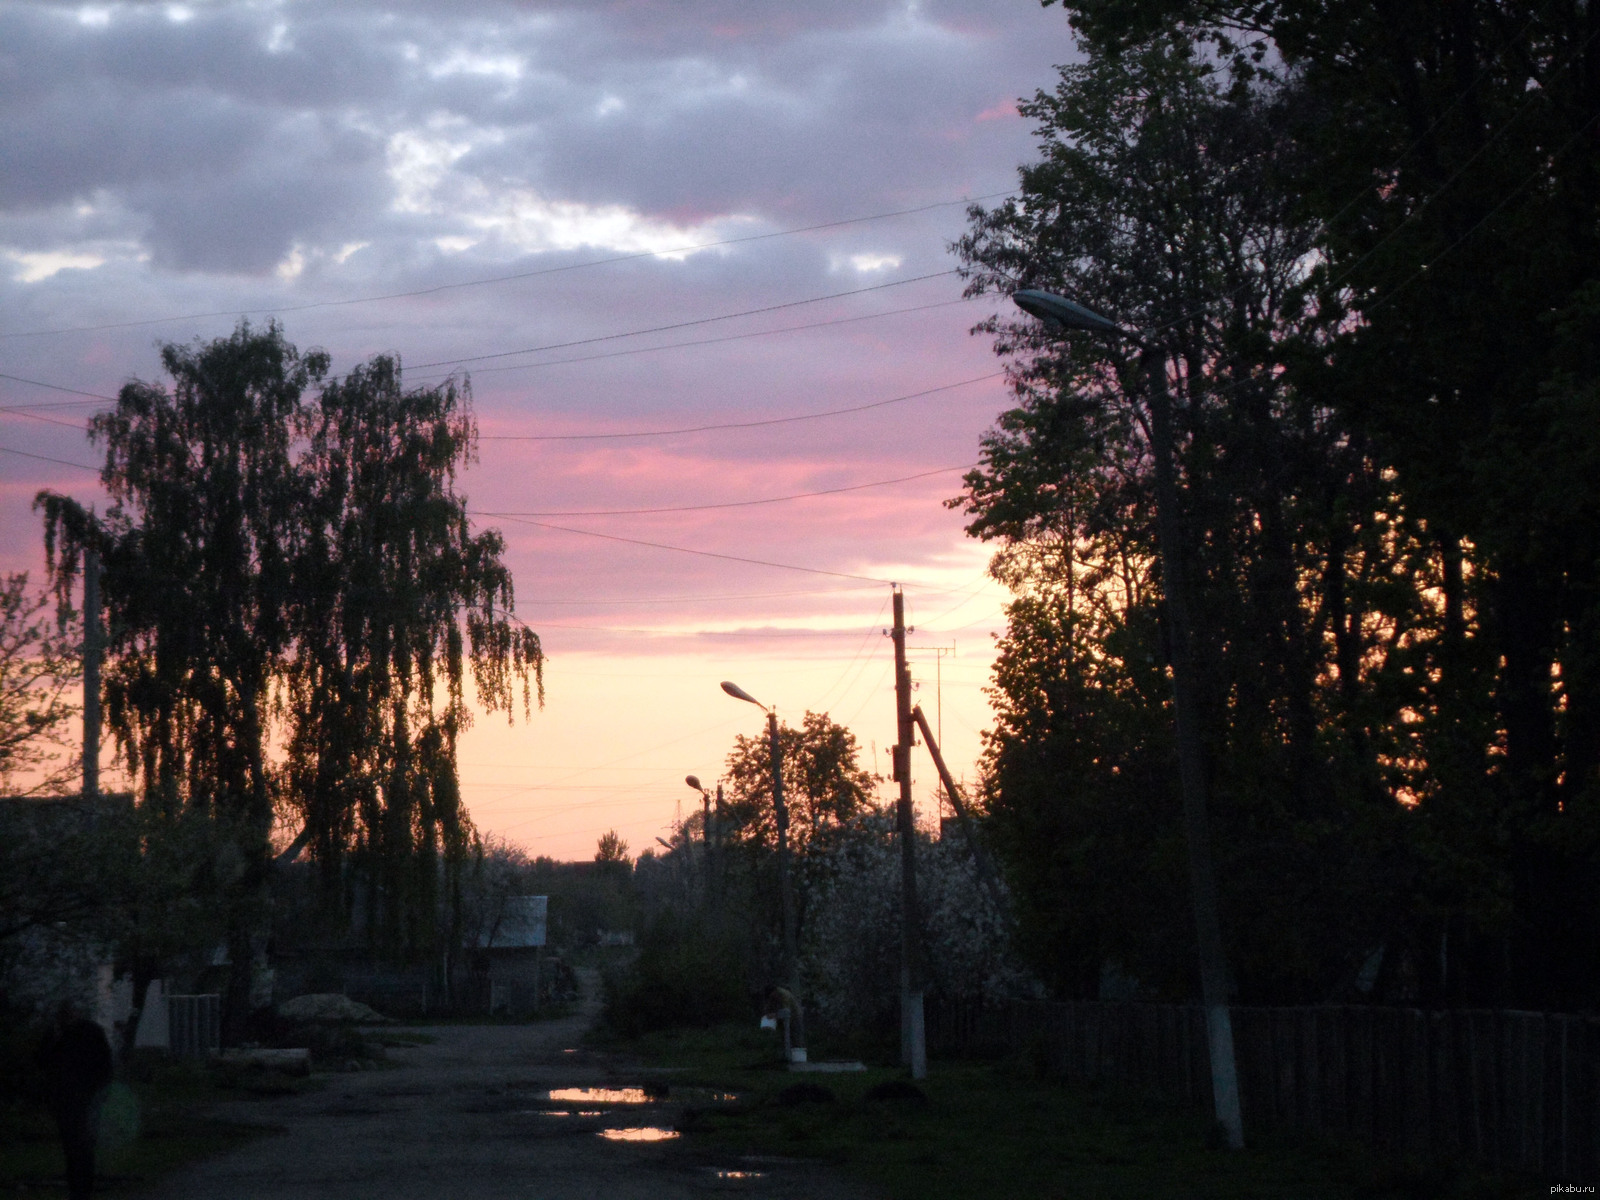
471,1117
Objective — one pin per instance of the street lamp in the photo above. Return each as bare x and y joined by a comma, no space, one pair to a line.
705,821
791,958
1059,313
705,828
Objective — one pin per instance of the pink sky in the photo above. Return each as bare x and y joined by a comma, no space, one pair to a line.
403,175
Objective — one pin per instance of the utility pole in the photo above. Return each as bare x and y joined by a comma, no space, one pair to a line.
1060,313
791,954
938,680
714,869
1191,759
913,1041
985,870
91,677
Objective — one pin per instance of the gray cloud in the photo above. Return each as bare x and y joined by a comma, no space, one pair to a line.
233,135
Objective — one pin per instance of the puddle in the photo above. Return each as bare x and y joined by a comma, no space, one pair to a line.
646,1134
601,1095
569,1052
741,1174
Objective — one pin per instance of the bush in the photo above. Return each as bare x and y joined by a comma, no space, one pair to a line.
684,975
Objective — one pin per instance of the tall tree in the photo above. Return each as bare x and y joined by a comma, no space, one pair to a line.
1160,200
1451,160
823,784
282,575
395,599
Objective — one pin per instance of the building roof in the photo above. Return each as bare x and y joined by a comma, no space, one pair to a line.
521,924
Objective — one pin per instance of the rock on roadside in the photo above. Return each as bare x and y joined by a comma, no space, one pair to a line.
330,1006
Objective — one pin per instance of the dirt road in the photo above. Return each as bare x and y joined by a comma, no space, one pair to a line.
470,1118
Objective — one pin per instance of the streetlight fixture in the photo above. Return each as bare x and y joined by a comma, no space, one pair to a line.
705,827
1059,313
791,957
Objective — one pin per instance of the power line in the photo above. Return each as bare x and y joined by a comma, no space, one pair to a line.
816,416
711,341
54,387
552,362
637,433
46,458
632,512
33,416
748,312
492,279
661,600
671,632
759,562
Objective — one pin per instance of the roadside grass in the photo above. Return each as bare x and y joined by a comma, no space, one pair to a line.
158,1119
998,1130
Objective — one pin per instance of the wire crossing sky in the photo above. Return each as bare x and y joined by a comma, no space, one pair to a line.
694,261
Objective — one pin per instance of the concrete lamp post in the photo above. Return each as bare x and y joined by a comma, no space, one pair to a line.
1060,314
791,957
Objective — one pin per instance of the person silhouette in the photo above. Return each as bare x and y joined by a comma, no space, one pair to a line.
77,1065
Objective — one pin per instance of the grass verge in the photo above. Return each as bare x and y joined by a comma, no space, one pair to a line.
997,1130
152,1125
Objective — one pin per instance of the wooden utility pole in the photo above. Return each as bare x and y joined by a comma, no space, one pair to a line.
986,871
913,1041
91,676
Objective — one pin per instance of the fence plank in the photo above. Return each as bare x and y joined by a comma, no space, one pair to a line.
1513,1089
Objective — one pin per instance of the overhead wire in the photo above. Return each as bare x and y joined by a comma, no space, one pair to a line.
747,312
827,696
700,599
682,508
725,425
54,387
46,458
33,416
760,562
731,337
710,341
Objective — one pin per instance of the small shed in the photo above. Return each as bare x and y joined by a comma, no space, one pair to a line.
514,945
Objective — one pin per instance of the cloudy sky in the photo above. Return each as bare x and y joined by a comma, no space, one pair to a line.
619,218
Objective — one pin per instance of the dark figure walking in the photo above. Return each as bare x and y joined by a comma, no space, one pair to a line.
77,1067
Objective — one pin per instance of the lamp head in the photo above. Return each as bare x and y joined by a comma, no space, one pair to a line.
694,782
738,693
1059,312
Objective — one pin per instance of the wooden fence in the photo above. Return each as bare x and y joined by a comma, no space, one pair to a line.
194,1025
1512,1089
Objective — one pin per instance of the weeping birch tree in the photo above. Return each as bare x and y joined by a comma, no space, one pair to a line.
294,601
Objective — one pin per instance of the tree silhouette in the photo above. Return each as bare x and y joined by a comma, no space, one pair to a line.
294,596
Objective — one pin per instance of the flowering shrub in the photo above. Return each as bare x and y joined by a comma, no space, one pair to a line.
850,945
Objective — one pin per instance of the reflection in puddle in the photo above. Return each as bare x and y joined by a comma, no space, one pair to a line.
601,1095
647,1134
741,1175
566,1112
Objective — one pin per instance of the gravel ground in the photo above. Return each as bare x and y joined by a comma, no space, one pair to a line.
468,1118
